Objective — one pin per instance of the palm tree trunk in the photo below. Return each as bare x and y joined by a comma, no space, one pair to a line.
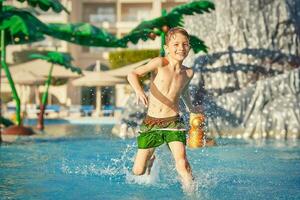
43,105
163,37
10,80
163,41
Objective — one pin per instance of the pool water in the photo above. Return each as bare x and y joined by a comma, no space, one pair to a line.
87,162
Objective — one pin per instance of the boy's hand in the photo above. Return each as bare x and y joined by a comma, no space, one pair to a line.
141,96
197,119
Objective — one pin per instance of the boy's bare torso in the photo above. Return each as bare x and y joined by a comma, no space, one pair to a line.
165,90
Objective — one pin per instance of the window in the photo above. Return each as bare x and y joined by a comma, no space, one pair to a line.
96,13
136,12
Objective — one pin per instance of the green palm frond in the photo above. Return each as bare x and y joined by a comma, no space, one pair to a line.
45,5
171,19
20,26
135,36
83,34
175,17
197,44
59,58
196,7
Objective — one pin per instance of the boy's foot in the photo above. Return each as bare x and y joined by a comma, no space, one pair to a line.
150,164
189,186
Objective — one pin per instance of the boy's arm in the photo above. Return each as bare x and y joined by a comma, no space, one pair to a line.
187,98
133,78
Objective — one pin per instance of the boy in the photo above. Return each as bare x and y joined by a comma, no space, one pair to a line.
169,80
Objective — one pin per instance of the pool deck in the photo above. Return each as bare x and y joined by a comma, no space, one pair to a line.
75,120
66,120
93,120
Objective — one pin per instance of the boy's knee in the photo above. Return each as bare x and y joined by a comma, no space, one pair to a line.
138,171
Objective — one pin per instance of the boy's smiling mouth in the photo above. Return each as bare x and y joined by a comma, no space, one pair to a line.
181,53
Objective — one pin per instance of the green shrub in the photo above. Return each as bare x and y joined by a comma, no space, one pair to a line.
121,58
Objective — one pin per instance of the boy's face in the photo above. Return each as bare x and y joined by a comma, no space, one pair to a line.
178,47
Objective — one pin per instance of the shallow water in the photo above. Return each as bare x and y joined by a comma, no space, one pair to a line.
87,162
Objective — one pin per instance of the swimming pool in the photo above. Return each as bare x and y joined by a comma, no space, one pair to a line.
87,162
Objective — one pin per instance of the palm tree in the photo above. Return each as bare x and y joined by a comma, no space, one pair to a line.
83,34
61,59
19,27
160,25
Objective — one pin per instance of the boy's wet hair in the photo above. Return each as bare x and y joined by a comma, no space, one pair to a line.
175,30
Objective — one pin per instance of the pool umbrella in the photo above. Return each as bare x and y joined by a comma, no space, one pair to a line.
84,34
97,79
42,68
60,59
26,78
159,26
91,79
122,72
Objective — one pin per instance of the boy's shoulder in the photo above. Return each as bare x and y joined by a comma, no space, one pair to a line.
159,61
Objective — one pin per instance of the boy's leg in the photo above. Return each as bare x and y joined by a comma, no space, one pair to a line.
182,165
143,160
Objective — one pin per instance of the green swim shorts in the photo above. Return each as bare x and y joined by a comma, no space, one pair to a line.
155,131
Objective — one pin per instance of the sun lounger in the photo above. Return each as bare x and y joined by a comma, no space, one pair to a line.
52,108
75,110
87,110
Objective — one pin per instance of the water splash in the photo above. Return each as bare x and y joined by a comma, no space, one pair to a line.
118,170
114,168
151,179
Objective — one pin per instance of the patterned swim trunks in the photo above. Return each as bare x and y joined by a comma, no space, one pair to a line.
155,131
